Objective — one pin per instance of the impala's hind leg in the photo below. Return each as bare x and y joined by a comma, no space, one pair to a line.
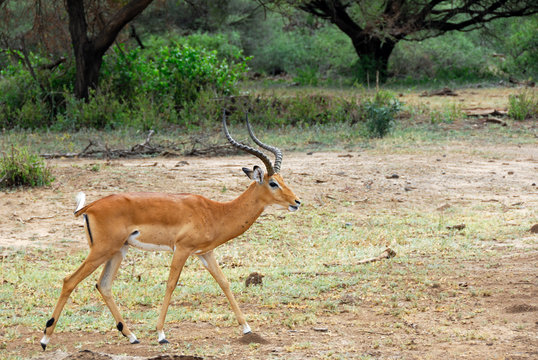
211,264
92,262
105,288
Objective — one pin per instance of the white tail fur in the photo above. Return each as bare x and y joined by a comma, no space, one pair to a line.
80,199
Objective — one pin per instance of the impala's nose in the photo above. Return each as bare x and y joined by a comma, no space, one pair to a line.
294,207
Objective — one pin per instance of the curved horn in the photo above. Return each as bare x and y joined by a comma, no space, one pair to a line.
259,154
276,151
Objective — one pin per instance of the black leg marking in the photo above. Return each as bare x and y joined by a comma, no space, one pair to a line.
47,325
88,227
50,322
120,328
97,286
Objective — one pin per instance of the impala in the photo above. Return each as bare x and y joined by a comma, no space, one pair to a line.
185,224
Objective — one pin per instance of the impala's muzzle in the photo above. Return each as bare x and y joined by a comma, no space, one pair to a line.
294,207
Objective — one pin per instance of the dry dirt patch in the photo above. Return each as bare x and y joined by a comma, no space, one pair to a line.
502,320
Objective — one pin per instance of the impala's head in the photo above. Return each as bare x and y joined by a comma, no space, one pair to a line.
275,190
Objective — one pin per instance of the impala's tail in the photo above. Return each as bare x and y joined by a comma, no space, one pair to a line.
80,199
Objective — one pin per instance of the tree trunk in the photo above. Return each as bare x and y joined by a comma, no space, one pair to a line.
89,52
87,75
81,45
373,56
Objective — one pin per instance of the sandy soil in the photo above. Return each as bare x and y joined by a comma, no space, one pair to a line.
428,178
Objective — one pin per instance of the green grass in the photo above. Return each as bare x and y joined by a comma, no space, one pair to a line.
407,133
308,259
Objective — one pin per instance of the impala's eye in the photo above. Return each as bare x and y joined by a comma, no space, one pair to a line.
273,184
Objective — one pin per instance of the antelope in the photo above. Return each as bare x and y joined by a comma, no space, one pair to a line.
184,224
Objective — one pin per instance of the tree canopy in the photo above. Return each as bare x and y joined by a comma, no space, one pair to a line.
375,27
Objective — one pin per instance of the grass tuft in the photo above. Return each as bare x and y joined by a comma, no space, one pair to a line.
523,106
22,168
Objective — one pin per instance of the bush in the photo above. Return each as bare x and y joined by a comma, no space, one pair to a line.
310,56
380,113
170,73
28,102
21,168
139,88
454,56
523,106
515,42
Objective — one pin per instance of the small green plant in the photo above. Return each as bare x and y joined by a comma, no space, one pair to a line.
523,106
307,76
21,168
380,113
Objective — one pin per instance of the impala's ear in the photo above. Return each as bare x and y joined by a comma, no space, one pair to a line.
255,174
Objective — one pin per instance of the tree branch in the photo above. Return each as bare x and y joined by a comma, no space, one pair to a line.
108,34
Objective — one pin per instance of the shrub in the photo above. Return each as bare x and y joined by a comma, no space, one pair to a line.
139,88
172,72
20,168
311,56
523,106
517,47
380,113
28,102
454,56
100,111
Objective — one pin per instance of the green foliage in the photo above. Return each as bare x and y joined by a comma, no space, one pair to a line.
380,113
101,111
454,56
448,114
32,101
171,72
139,88
311,56
21,168
20,98
523,106
515,43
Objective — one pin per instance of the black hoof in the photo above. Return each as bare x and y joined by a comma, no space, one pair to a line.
136,342
164,341
44,346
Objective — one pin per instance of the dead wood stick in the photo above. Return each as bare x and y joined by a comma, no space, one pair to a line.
375,332
24,221
386,254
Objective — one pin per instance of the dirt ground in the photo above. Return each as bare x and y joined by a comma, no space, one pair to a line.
507,323
504,324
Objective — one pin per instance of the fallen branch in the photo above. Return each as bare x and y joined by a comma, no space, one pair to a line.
387,254
442,92
96,149
24,221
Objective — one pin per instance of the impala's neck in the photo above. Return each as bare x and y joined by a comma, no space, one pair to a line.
239,214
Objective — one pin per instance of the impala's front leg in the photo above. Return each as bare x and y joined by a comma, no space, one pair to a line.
211,264
178,261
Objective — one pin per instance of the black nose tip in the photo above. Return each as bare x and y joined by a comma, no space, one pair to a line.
297,202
